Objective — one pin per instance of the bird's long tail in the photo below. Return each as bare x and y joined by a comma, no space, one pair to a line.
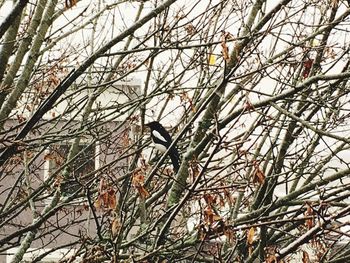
175,159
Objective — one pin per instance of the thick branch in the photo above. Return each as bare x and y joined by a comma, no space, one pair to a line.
16,11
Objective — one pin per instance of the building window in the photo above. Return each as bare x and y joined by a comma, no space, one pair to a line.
80,170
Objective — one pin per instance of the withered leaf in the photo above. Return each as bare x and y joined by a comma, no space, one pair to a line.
210,216
258,175
306,258
106,199
138,183
271,259
70,3
224,47
116,225
250,236
307,67
230,234
309,212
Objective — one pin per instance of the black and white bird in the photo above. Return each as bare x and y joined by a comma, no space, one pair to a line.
162,142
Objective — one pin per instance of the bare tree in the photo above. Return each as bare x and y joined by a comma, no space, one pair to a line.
254,93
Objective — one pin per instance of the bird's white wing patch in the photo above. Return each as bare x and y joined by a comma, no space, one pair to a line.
160,147
160,137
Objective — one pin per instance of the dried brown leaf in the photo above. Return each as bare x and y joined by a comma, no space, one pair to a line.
307,67
107,199
230,234
248,105
210,216
138,183
21,118
225,52
190,29
202,233
224,47
229,198
309,212
58,181
70,3
335,3
185,98
306,258
97,203
48,157
112,199
258,175
250,236
209,199
116,226
271,259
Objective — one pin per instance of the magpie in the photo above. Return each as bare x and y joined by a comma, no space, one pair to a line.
162,142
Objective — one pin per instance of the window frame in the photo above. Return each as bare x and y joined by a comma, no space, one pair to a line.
96,158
